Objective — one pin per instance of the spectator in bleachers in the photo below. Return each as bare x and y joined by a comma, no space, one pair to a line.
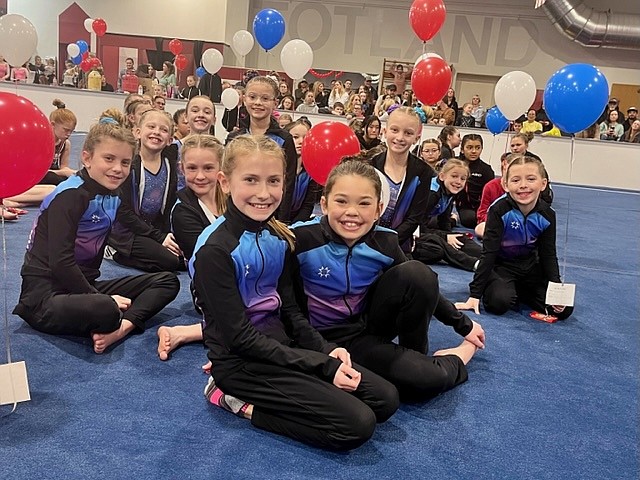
301,91
633,134
338,94
168,77
322,100
477,111
309,104
465,119
5,70
128,70
287,103
531,125
632,115
449,101
610,129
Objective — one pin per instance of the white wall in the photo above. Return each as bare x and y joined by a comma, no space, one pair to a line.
478,37
595,163
187,19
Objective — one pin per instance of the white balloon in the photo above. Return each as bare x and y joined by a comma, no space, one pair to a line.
18,39
88,25
73,50
212,60
230,98
427,55
296,58
514,94
386,191
242,42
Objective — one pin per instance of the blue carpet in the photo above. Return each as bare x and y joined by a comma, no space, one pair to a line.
543,401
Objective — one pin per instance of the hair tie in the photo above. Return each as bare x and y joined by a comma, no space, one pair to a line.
61,105
108,120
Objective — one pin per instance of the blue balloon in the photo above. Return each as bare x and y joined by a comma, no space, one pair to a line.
83,46
496,121
200,71
77,60
575,97
268,27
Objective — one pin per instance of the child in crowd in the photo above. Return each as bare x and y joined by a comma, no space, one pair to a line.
491,192
519,248
181,124
150,191
338,109
201,115
437,242
481,173
520,144
430,152
370,135
60,294
159,103
191,90
287,103
361,292
262,348
408,177
199,204
307,191
260,100
450,140
50,71
309,104
134,111
466,120
284,119
64,123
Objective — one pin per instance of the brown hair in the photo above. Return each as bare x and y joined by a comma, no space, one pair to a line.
108,127
266,81
248,144
519,159
61,114
355,165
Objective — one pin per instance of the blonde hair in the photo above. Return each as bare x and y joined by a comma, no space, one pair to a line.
454,163
211,143
61,114
164,115
108,127
114,114
246,145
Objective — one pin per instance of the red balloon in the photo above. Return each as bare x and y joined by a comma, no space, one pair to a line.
85,55
94,62
85,65
181,62
324,146
23,126
430,80
427,17
99,26
175,46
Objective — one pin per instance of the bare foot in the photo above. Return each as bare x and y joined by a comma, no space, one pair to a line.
464,351
101,341
170,338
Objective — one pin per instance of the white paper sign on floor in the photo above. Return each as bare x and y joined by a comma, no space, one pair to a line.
14,386
561,294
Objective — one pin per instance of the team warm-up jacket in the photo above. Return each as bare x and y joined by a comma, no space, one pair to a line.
241,272
285,140
411,206
305,196
71,253
440,206
517,241
133,188
480,173
336,279
188,220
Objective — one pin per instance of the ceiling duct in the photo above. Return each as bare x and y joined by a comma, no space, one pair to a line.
594,28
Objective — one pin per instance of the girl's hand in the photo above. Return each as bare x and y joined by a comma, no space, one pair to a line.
558,308
206,368
341,354
171,245
470,304
347,378
123,302
476,335
452,239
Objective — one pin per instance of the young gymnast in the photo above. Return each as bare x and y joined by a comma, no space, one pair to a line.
481,173
520,144
201,114
260,100
60,294
449,139
198,205
408,176
307,192
519,248
64,123
361,292
430,153
437,242
262,349
150,191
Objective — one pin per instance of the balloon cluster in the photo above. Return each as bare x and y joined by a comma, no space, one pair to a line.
431,75
97,26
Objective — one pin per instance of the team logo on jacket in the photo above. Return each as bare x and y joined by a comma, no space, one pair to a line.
95,218
323,272
246,270
515,225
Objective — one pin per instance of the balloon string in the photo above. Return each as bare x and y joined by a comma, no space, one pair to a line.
424,48
566,228
5,310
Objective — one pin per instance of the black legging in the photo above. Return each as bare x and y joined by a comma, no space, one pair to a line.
402,304
83,314
150,256
433,248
